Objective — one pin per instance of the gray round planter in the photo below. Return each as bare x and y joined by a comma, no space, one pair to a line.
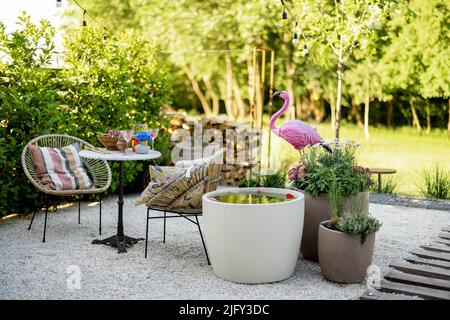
317,210
342,257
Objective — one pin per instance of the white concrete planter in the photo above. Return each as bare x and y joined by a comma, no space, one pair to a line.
253,243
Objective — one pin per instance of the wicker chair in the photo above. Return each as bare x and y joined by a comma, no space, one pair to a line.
210,175
98,169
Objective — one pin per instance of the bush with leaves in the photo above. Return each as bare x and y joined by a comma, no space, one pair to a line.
268,180
104,84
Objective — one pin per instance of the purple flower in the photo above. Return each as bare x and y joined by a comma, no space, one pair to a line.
297,172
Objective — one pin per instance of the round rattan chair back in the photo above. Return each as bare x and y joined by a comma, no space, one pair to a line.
98,169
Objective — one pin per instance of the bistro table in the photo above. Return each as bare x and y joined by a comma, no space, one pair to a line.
119,240
379,172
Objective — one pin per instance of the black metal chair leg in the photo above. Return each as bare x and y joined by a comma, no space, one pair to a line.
32,219
100,217
146,235
79,212
203,241
164,232
45,222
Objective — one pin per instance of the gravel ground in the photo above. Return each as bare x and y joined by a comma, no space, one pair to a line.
30,269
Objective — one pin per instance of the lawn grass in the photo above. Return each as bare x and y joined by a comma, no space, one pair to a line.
403,149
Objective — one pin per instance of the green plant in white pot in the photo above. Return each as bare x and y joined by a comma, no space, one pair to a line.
346,241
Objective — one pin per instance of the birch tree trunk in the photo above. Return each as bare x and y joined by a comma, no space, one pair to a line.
415,118
203,100
332,108
290,70
366,108
229,89
340,74
240,104
213,94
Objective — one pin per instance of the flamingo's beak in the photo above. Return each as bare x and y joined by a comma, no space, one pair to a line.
276,94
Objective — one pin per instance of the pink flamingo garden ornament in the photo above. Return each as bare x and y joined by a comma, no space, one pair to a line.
298,133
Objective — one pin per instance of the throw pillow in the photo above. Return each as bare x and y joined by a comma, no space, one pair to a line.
60,168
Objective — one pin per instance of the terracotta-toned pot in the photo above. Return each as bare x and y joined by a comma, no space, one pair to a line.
317,209
342,257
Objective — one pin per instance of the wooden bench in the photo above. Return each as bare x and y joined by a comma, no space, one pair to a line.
379,172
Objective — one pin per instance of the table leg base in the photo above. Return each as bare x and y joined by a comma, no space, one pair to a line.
118,242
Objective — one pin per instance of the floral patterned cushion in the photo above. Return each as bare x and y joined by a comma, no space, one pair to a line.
176,191
160,178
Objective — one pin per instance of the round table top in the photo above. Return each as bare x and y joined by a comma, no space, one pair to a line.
110,155
383,170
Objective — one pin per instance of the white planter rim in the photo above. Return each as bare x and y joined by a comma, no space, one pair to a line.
298,196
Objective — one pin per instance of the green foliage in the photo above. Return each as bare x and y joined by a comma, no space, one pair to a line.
335,197
326,169
267,180
28,101
435,183
358,223
105,84
388,186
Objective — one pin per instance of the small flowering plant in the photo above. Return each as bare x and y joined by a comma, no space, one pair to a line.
143,136
113,134
319,170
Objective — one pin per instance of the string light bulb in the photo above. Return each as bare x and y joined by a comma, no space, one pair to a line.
305,50
284,15
84,19
295,39
58,3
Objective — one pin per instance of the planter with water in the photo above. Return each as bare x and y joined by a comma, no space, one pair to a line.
253,235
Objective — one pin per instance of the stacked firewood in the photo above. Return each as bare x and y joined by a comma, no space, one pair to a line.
239,140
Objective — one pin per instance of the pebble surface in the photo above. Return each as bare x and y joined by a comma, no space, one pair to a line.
30,269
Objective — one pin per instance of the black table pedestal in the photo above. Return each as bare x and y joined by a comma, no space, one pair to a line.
119,240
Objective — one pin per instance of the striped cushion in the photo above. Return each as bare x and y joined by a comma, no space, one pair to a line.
60,168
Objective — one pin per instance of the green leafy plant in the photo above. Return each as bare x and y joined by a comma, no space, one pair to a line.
358,223
388,186
435,183
104,84
268,180
319,169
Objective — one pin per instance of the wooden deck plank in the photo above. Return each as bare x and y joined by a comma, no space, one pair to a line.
431,255
444,235
442,241
427,293
426,271
412,279
437,248
429,262
377,295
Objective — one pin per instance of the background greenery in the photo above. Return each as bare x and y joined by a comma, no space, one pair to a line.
110,83
397,72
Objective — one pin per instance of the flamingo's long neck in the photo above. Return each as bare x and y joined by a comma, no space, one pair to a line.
278,114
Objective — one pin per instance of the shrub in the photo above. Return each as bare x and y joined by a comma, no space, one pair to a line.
358,223
105,84
268,180
435,183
